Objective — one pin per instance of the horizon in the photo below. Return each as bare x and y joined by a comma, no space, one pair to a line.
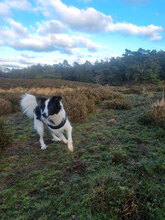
39,32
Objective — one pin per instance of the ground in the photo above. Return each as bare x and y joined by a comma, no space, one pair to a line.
115,172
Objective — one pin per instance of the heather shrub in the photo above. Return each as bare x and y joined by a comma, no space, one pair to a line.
91,106
14,98
102,93
117,104
76,108
81,102
107,93
5,106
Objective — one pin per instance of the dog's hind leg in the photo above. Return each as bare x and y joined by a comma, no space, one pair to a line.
63,138
55,138
39,126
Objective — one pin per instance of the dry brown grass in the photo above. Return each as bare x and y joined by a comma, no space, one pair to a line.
41,83
78,99
156,113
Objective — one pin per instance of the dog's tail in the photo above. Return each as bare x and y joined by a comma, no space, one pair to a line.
28,104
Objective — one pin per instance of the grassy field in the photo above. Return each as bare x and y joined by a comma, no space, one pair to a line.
116,171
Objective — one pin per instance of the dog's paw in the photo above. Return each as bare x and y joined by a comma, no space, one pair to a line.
70,147
43,147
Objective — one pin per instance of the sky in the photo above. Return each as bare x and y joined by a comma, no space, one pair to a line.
50,31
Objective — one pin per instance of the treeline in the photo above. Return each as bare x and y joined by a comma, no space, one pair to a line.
142,66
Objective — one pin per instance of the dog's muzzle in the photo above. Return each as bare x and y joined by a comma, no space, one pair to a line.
44,115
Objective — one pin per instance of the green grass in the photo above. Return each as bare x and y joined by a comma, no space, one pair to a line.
115,172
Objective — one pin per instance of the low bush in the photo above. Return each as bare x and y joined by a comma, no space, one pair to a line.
155,115
6,106
117,104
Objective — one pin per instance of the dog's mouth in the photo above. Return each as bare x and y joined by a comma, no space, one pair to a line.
45,116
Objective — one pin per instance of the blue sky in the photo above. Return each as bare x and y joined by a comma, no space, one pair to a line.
49,31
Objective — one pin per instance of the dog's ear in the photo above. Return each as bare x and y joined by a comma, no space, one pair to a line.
41,99
56,98
59,98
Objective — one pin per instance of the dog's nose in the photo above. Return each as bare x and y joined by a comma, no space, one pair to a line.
44,115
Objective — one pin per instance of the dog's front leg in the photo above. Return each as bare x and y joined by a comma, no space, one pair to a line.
69,135
39,126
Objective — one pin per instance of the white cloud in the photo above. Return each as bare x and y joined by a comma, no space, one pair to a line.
150,31
53,42
51,26
91,20
17,28
38,43
7,5
84,42
4,9
27,55
17,36
19,4
13,33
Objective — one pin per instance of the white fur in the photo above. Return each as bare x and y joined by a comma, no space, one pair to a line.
28,104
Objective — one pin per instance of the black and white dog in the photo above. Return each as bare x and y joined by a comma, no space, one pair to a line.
49,112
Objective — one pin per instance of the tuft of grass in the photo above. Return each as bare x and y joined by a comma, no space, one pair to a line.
156,114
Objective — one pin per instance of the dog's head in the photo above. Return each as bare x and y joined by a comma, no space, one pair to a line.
50,106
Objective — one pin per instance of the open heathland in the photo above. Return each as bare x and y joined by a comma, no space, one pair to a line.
117,168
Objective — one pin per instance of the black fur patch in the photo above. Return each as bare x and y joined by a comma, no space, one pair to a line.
54,105
37,111
42,102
